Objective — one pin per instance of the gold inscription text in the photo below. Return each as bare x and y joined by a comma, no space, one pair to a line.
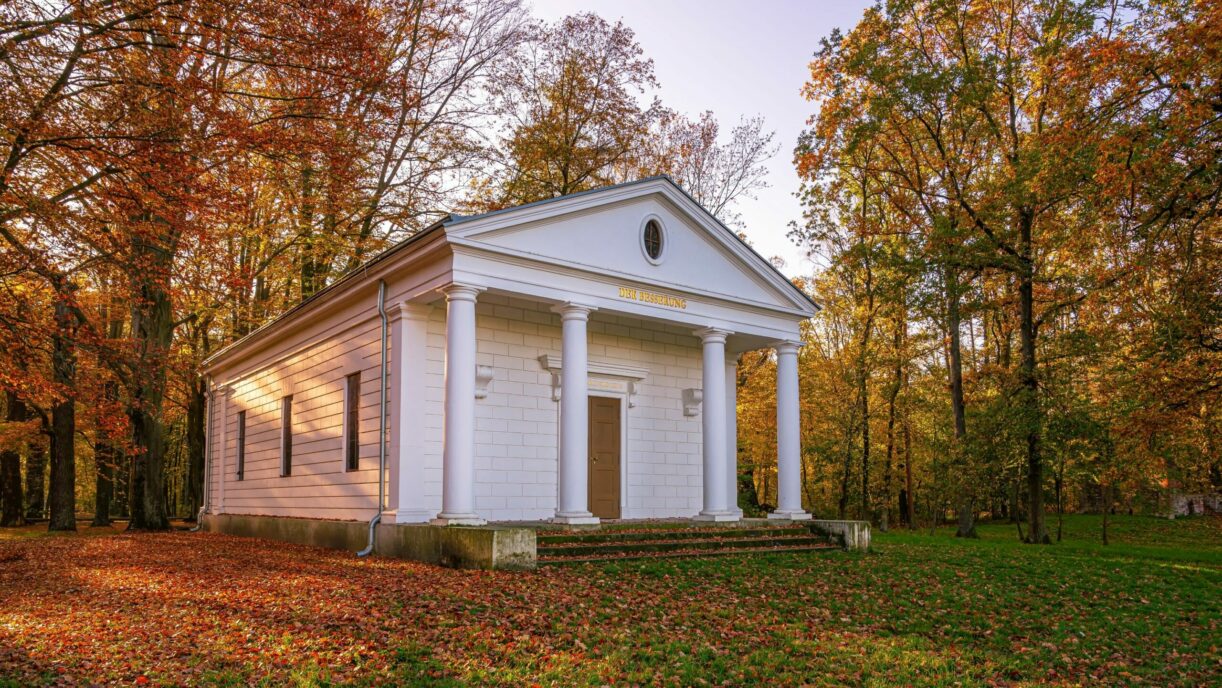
652,297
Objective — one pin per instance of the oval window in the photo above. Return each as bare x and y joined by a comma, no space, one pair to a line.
653,240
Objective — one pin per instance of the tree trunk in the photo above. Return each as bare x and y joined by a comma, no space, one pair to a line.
1014,498
104,485
910,507
967,520
36,480
305,230
1107,508
749,495
885,513
196,407
11,502
863,392
121,499
842,506
62,496
966,507
901,328
105,456
865,446
152,327
863,355
1037,532
1060,488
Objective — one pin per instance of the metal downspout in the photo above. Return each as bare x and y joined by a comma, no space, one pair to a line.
377,518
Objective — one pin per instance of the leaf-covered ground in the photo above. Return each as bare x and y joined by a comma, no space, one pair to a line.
187,608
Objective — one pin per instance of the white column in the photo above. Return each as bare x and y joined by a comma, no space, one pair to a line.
713,425
573,472
788,436
732,436
408,339
458,450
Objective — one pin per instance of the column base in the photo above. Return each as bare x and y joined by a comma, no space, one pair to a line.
717,516
576,518
406,516
789,515
444,519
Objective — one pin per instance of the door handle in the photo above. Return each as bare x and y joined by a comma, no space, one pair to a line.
593,459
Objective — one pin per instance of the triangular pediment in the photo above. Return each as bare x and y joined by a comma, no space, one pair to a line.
601,231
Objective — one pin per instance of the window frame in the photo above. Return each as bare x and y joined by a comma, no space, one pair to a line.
663,239
286,436
241,442
351,449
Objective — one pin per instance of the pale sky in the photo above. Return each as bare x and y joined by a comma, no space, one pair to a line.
736,58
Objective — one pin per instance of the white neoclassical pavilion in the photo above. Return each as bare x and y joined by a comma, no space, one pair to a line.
570,360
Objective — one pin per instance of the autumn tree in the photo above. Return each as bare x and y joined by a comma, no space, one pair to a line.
718,172
970,97
63,137
1049,181
570,103
125,123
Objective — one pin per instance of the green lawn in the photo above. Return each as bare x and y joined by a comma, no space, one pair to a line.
927,609
922,610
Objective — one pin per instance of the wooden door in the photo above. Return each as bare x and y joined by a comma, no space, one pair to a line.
604,457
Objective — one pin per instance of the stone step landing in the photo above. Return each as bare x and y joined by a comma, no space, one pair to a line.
559,547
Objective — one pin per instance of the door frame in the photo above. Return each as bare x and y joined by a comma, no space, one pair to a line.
623,446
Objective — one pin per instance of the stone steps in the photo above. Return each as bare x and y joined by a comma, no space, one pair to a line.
642,535
563,561
594,546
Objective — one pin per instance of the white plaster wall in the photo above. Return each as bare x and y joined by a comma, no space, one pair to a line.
516,425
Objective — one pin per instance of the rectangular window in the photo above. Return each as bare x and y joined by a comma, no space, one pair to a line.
241,444
286,436
352,422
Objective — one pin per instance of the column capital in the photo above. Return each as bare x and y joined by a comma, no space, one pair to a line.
571,310
712,334
461,292
410,310
787,346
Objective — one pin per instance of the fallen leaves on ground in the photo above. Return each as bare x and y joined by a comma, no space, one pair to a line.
195,608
